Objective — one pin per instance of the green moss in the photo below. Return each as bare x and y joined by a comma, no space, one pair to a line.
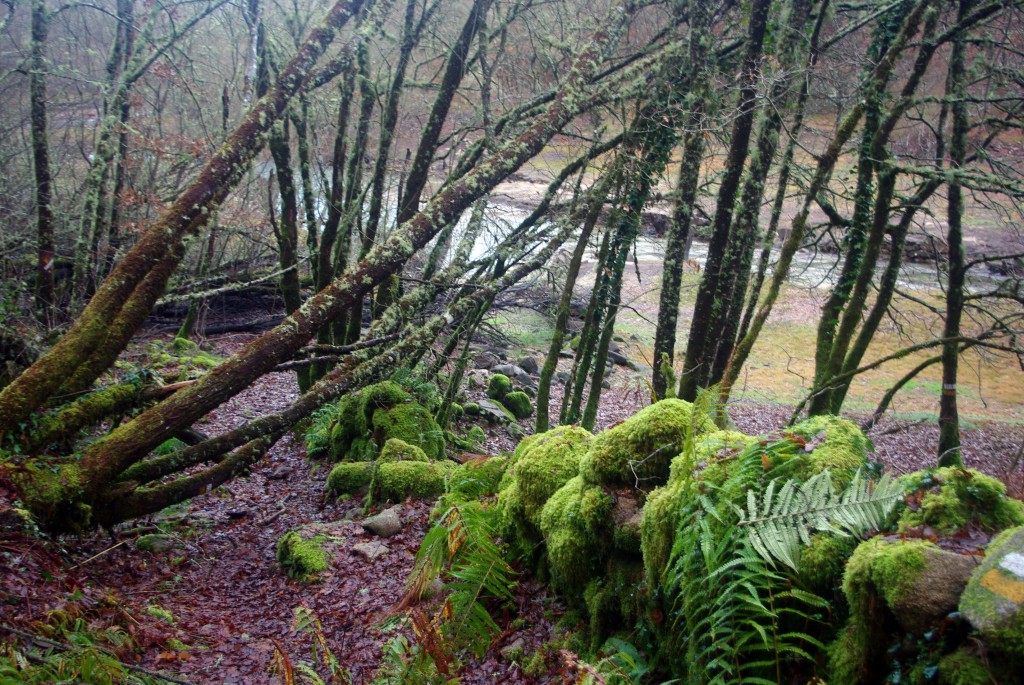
457,410
411,423
168,447
348,477
880,574
518,403
642,446
576,525
822,562
963,668
381,396
710,449
476,436
396,481
396,449
498,385
615,601
950,499
157,611
52,495
833,443
541,464
344,425
299,557
184,345
472,409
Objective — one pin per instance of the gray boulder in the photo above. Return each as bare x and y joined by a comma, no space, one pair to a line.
385,524
994,599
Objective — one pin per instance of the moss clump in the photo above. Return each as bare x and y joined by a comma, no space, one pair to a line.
541,464
344,426
642,446
396,449
52,497
963,668
498,385
615,600
576,525
822,562
832,443
183,345
349,477
476,436
381,396
411,423
518,403
951,499
396,481
301,558
471,409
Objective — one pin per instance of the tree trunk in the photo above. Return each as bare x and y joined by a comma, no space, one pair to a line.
45,247
697,365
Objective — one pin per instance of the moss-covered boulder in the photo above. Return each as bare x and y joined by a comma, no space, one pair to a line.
949,500
302,557
829,442
576,524
541,464
471,409
639,450
396,481
518,403
411,423
349,477
994,599
498,385
397,449
893,587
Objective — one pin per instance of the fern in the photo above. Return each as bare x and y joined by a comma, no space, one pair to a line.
735,618
460,550
784,519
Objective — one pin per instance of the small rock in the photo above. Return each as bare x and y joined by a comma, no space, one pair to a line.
280,473
385,524
507,369
239,513
529,364
606,384
562,376
157,543
371,550
486,360
514,650
530,391
494,412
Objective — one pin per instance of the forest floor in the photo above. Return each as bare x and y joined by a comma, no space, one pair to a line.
216,606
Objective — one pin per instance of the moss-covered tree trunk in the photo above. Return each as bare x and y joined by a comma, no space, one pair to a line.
127,295
45,247
697,364
949,419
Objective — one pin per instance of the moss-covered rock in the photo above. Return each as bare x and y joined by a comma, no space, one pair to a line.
893,587
498,385
832,443
411,423
349,477
642,446
964,668
576,525
949,500
476,436
541,464
396,449
301,557
395,481
518,403
382,395
994,599
472,409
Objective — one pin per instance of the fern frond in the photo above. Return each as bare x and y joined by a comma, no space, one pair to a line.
779,524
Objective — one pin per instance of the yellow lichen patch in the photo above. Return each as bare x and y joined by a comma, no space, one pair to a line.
1004,586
